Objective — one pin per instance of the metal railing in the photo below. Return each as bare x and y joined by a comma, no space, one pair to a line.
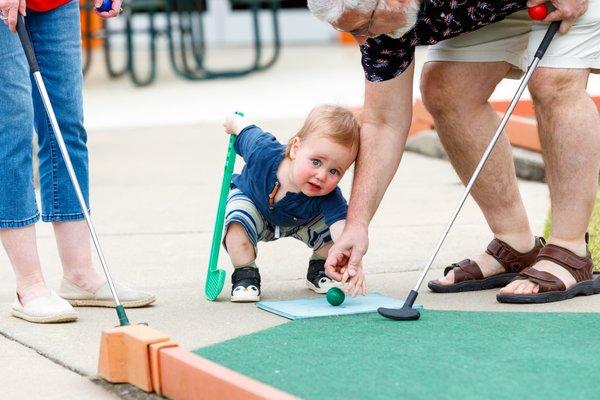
185,37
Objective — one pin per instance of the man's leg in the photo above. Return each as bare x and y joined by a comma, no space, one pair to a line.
465,122
569,124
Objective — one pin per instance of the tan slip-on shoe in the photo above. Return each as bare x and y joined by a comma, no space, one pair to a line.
129,298
47,308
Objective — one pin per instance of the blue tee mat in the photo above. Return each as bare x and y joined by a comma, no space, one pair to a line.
319,307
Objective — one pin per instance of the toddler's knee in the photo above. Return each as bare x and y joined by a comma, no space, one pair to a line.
324,251
236,238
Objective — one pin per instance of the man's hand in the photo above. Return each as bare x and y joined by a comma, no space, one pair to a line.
356,284
566,11
9,10
345,256
113,12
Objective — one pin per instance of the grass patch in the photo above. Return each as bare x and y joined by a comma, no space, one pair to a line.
593,230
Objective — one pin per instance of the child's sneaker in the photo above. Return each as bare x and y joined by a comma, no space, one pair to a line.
245,285
316,280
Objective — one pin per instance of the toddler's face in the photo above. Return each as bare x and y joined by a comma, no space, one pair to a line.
318,164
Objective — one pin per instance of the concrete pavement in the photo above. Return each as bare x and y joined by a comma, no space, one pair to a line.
155,183
28,375
155,193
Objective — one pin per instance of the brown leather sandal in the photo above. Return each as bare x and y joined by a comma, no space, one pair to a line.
551,288
468,275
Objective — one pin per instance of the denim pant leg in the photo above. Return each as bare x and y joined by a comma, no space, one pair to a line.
17,196
56,38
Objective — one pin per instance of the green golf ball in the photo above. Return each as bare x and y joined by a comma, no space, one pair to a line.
335,296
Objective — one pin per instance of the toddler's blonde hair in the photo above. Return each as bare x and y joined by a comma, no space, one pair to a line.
336,123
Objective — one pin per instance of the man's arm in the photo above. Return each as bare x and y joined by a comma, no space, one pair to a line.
336,229
386,120
385,124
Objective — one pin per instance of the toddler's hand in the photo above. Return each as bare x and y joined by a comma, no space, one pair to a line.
234,124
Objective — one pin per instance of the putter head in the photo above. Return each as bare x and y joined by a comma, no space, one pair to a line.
215,280
406,313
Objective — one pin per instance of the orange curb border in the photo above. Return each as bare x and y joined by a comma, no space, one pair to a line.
148,359
186,376
155,370
124,354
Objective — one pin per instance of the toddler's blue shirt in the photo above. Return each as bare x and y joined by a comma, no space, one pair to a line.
263,153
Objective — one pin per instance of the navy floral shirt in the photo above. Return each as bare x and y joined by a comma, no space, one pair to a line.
384,58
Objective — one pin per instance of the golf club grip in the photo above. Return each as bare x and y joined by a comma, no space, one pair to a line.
26,43
552,29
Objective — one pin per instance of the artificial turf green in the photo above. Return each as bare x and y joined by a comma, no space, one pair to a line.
444,355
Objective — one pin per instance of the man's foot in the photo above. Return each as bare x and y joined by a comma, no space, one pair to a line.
495,268
102,297
559,274
245,285
316,280
44,309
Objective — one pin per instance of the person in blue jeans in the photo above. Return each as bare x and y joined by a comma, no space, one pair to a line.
54,28
289,191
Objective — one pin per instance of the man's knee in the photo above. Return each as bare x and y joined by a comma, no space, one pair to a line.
549,86
436,88
445,89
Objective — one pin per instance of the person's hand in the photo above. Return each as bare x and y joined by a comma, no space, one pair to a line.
345,256
356,284
9,10
566,11
234,123
113,12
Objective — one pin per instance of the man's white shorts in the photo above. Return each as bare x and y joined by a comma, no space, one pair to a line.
516,38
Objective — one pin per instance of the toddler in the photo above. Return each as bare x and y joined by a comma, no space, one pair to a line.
288,191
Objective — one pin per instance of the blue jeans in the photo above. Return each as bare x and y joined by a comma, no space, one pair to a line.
56,39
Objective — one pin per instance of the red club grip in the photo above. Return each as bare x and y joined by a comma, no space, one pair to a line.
538,13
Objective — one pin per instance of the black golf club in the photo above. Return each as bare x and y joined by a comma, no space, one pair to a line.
406,312
35,71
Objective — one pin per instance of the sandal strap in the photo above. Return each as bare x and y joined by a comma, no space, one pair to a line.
511,259
545,280
465,270
580,267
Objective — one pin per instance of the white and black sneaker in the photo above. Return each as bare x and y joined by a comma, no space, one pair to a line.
245,286
316,280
